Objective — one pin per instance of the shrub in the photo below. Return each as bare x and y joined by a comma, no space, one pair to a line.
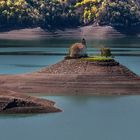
106,52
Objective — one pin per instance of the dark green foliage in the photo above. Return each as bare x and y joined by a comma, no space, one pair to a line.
17,13
44,13
68,13
119,13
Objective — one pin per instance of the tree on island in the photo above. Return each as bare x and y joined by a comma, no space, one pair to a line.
78,50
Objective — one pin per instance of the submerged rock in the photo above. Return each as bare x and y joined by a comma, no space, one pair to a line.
12,103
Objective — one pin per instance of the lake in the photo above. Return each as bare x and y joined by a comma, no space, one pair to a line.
84,118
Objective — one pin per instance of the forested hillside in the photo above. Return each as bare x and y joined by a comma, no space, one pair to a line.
68,13
45,13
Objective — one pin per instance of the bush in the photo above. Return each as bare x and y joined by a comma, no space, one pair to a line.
106,52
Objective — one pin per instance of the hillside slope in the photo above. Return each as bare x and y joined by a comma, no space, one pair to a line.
52,14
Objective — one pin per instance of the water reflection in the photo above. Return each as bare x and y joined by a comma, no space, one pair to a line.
18,116
84,99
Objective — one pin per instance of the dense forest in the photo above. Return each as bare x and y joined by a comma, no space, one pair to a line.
68,13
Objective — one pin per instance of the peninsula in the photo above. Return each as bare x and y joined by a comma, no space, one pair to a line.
76,77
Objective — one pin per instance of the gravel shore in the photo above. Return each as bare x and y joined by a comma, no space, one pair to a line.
76,77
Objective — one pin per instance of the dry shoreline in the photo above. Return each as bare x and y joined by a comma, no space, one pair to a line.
73,77
38,33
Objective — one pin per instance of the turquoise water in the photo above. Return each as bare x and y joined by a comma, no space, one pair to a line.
84,118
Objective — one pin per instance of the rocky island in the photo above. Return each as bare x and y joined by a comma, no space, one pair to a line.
77,74
76,77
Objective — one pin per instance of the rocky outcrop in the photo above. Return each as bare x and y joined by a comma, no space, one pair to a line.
14,103
76,77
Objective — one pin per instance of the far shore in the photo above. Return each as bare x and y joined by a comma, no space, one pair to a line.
38,33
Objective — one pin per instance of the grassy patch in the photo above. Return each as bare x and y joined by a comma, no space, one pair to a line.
97,58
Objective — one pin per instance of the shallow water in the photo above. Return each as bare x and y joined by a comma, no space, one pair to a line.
84,118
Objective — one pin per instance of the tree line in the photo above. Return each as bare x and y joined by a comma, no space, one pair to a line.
68,13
